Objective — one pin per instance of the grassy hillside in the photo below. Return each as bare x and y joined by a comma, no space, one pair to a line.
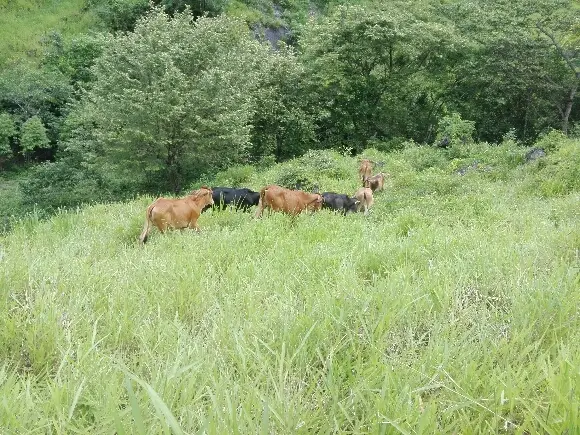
23,23
452,308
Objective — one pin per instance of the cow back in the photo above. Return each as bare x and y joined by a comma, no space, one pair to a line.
290,201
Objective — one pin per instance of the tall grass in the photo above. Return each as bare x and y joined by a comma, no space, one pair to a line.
23,23
452,308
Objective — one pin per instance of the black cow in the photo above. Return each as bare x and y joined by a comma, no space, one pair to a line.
339,202
241,199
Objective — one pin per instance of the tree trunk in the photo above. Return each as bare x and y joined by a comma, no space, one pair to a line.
568,108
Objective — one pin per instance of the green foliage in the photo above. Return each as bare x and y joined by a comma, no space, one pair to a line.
510,136
282,125
316,168
234,176
454,130
574,131
374,72
559,173
552,141
64,184
509,77
73,58
27,91
33,135
423,157
171,96
119,15
237,8
7,132
11,207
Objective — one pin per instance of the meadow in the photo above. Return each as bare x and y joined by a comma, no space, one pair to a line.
452,308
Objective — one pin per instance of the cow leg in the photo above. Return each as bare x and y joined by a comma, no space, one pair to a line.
193,226
260,209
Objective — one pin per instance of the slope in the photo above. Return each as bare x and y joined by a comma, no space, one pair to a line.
451,308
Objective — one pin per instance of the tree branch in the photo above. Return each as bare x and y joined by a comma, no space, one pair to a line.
560,49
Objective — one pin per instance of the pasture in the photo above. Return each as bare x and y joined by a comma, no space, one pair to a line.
451,308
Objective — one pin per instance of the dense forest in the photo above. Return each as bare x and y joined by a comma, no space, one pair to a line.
100,100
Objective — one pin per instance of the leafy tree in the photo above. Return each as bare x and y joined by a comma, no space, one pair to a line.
560,28
73,58
176,97
508,77
7,132
375,71
454,130
122,15
27,91
119,15
282,125
33,136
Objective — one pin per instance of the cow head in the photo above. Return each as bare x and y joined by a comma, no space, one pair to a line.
351,206
204,195
316,203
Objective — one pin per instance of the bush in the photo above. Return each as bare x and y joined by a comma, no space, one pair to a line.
33,135
235,176
559,173
327,163
120,15
452,130
393,144
551,141
306,172
7,132
63,184
423,157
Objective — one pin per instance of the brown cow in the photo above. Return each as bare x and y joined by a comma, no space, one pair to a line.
376,182
176,213
288,201
365,197
365,169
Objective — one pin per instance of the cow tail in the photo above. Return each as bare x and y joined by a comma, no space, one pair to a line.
145,232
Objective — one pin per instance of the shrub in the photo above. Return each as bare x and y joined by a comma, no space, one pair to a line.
395,143
452,130
559,174
423,157
306,172
235,176
7,131
296,176
551,141
120,15
327,163
33,135
63,184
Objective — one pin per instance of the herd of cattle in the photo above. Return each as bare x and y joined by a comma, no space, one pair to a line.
183,213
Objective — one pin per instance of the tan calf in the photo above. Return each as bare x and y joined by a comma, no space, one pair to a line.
365,169
365,199
376,182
